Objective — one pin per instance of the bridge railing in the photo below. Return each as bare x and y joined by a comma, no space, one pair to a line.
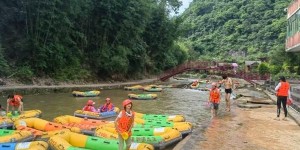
213,66
250,76
188,66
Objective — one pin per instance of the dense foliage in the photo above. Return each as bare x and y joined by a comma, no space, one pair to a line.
80,39
239,30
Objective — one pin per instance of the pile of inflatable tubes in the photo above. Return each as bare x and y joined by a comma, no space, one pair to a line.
152,89
7,121
42,129
34,145
85,94
158,137
72,141
142,96
87,126
95,115
173,118
132,88
7,136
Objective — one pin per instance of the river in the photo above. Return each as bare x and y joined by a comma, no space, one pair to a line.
170,101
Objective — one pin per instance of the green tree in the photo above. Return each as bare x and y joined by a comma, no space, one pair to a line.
263,68
3,64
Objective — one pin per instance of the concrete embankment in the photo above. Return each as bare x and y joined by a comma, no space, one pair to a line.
36,89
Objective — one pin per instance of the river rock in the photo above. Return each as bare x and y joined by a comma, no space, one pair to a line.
244,99
242,105
261,101
244,92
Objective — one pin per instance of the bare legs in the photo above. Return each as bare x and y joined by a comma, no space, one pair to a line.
227,99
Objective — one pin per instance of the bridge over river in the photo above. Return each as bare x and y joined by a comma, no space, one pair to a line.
213,68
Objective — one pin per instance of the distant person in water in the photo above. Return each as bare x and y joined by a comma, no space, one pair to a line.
195,83
228,90
283,93
16,103
90,106
108,106
214,99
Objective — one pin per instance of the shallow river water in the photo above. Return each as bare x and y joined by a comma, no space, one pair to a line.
187,102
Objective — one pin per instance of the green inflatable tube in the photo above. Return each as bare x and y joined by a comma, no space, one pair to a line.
154,140
95,143
4,132
142,131
76,148
155,117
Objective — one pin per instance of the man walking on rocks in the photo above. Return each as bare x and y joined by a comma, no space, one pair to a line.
283,93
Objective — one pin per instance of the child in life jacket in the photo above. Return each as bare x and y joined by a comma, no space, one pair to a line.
214,99
90,106
16,103
124,123
108,106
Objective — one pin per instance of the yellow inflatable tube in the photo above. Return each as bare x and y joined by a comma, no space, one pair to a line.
17,136
6,122
71,140
43,125
67,119
136,87
35,145
25,114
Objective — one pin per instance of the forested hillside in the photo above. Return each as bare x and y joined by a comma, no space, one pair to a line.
68,40
238,30
121,39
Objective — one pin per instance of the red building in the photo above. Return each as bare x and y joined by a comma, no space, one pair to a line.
293,27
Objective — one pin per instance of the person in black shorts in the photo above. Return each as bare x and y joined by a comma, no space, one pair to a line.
228,90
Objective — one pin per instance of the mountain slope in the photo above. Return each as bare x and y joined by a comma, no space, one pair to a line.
240,29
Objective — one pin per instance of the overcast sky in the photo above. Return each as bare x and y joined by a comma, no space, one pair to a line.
185,5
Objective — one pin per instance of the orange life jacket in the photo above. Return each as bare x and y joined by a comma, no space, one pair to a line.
88,108
214,95
125,122
15,101
283,89
107,107
18,97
